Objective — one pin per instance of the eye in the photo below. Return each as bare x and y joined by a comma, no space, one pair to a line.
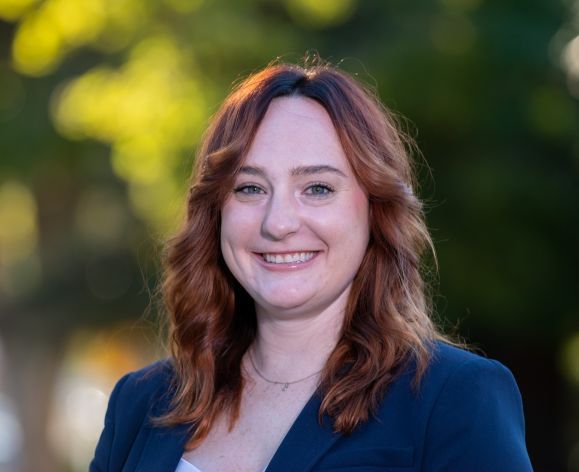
319,190
248,189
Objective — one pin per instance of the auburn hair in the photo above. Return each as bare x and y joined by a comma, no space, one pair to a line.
212,318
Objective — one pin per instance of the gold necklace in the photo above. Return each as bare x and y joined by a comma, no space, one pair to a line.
285,385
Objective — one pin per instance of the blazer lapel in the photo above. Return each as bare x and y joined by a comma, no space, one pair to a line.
164,446
301,448
305,442
163,449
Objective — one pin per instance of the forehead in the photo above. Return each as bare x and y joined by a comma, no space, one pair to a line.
296,131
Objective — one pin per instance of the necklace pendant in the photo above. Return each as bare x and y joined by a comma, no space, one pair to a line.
285,387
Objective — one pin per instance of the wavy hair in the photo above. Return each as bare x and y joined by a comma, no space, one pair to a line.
212,318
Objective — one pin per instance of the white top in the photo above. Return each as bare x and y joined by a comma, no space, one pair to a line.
185,466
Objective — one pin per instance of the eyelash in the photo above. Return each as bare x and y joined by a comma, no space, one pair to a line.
328,189
252,189
243,189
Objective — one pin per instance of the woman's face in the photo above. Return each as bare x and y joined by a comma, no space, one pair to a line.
295,228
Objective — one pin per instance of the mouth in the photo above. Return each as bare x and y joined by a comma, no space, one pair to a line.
288,257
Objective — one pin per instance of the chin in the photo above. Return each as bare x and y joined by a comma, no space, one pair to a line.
285,303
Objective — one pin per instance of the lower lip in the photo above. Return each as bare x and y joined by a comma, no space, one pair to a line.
285,266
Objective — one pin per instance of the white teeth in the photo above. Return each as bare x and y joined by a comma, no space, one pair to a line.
288,258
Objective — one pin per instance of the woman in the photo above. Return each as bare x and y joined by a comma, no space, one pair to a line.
301,337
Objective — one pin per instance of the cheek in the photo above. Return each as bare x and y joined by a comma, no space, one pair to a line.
361,208
356,231
239,225
355,219
229,242
227,235
232,217
345,230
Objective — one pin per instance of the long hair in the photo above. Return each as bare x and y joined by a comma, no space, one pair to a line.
212,318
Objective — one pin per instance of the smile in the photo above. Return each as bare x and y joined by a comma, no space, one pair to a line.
288,258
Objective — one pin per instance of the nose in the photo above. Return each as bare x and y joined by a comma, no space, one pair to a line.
281,217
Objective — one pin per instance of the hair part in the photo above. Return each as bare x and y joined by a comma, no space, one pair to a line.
212,318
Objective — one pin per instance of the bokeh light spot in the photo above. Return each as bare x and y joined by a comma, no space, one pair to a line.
11,10
570,62
321,13
56,27
37,48
18,230
123,20
19,261
570,359
11,437
77,21
150,111
571,57
93,362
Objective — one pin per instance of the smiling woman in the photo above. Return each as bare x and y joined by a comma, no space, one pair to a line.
301,337
295,229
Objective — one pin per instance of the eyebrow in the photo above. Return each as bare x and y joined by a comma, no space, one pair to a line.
296,171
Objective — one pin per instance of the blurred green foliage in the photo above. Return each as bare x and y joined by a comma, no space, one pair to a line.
103,101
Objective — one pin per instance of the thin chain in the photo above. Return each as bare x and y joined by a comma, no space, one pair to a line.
285,385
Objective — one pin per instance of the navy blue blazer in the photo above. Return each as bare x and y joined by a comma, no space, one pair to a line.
467,416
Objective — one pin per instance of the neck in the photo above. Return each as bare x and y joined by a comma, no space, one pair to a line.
288,347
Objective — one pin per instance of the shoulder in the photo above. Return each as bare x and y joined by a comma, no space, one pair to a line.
459,379
474,410
448,360
465,415
149,380
456,378
135,398
139,391
448,356
456,370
